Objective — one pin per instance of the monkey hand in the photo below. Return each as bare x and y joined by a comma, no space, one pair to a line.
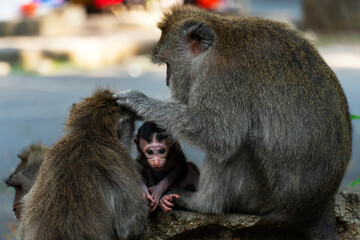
156,192
146,195
131,99
166,202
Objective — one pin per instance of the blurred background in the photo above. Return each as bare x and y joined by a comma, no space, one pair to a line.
55,52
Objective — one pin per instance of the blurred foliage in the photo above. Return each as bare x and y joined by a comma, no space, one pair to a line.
355,182
355,117
330,39
57,66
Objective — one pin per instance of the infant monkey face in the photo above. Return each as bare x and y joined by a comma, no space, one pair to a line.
156,153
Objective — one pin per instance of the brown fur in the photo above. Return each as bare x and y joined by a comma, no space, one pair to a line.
88,184
25,173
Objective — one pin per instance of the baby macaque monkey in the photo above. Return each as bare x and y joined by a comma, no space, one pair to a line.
163,166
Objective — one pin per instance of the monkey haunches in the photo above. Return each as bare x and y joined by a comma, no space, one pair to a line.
88,185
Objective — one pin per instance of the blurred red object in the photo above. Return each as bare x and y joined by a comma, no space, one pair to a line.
100,4
208,4
29,10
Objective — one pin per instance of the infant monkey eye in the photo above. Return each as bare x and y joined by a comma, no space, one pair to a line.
149,152
162,151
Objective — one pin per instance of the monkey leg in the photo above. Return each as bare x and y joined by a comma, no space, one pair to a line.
190,180
208,198
323,227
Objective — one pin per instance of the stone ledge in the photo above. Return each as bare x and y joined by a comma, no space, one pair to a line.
190,225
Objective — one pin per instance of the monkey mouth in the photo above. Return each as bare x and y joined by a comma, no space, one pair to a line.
168,73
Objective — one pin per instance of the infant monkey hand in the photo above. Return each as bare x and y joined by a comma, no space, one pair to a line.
166,202
146,195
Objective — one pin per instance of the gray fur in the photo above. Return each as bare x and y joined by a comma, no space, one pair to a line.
265,108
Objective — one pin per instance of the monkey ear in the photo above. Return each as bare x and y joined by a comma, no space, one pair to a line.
199,36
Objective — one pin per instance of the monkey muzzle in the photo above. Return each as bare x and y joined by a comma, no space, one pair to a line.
167,74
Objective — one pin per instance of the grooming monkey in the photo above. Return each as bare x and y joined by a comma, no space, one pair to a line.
88,184
163,166
265,108
25,173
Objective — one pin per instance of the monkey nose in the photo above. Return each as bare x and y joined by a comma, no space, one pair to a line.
17,213
156,162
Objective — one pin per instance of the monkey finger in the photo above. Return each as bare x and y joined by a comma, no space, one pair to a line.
148,197
153,208
122,102
171,196
122,94
167,203
166,206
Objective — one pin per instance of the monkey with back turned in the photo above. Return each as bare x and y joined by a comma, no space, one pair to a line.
163,166
88,184
25,173
268,112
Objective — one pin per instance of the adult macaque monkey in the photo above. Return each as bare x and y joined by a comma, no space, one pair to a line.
265,108
163,166
88,184
25,173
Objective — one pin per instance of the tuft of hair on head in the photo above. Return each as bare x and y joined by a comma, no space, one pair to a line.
35,148
147,130
97,113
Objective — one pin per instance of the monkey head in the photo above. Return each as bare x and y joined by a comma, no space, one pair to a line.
155,145
155,151
99,114
24,175
183,47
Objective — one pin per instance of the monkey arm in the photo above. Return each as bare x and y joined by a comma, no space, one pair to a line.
198,125
146,194
158,190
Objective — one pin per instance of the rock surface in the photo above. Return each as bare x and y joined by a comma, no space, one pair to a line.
347,212
190,225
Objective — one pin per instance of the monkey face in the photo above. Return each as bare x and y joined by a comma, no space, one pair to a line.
183,46
15,182
24,175
156,152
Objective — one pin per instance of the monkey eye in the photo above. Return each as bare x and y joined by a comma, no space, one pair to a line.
149,152
162,151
